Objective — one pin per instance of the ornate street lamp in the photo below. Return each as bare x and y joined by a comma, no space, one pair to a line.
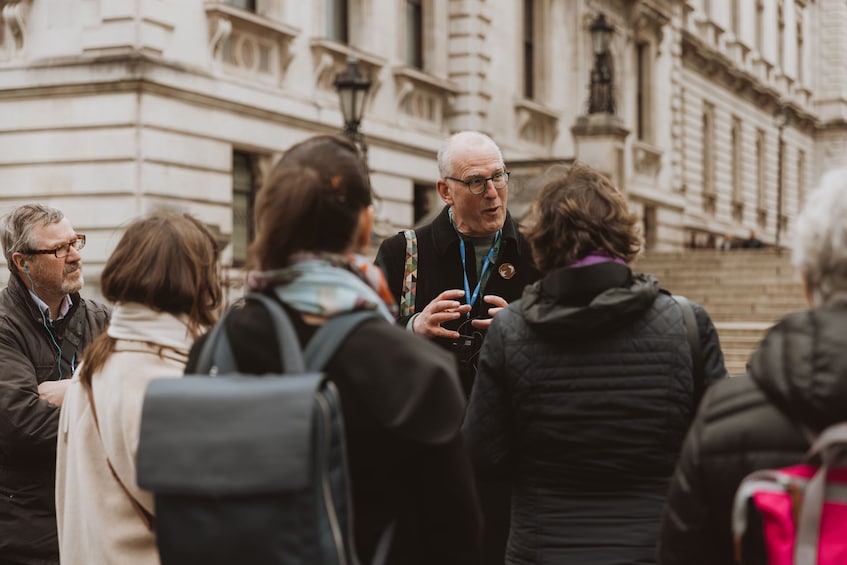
352,87
601,99
780,119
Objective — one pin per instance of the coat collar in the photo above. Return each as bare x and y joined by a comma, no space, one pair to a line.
444,236
586,299
21,295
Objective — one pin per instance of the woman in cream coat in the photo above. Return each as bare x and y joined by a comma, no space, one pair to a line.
163,280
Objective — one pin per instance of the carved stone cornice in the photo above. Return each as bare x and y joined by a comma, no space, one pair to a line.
761,88
600,125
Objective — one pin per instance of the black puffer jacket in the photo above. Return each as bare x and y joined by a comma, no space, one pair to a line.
799,369
29,424
583,397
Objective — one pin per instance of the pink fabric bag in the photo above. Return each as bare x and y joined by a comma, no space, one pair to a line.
802,509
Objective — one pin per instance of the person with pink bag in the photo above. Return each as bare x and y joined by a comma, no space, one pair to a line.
796,388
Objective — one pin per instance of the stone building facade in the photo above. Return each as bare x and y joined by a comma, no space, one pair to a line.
110,109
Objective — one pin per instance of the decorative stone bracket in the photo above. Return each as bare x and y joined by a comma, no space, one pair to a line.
330,58
536,123
248,43
646,159
423,96
14,14
762,216
738,208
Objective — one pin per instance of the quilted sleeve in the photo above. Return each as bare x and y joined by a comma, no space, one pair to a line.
685,537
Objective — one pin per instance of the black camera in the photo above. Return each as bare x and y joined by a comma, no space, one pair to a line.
467,348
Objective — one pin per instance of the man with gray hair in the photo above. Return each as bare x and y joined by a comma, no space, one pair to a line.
471,259
44,326
453,275
795,387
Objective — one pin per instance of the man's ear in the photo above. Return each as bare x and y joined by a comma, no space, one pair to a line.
20,262
444,191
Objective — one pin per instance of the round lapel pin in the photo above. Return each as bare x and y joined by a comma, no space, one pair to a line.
506,270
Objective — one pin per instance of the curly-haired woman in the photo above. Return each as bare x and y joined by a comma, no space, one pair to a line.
585,387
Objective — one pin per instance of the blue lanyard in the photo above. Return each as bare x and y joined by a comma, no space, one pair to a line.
486,265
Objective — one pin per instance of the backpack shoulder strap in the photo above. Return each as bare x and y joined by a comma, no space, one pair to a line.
217,358
410,274
332,334
689,319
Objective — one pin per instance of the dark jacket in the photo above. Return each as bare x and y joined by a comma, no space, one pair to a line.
583,397
440,269
800,369
402,408
28,424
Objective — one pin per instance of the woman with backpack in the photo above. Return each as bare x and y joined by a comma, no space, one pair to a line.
402,404
795,386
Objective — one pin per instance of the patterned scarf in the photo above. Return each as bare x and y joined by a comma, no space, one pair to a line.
326,284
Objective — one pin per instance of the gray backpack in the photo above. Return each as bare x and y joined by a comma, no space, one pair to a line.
248,469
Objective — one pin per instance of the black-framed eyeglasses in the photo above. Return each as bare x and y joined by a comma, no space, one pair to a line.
61,251
477,185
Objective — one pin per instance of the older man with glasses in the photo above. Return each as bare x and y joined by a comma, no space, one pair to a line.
44,326
452,276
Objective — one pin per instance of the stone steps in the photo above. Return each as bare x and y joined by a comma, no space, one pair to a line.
744,291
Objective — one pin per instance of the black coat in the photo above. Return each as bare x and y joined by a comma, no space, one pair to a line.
800,368
440,269
403,408
29,424
582,400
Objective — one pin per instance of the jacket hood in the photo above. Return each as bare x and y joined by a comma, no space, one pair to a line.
589,299
801,365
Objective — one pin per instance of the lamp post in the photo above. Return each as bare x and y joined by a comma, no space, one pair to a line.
601,99
352,87
780,119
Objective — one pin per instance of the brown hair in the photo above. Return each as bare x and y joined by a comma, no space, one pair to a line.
579,211
311,201
167,262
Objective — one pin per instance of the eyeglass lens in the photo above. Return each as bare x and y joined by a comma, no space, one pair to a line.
77,244
478,184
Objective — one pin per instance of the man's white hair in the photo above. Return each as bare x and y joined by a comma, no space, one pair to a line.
462,139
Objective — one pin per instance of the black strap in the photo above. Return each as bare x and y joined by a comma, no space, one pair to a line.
689,319
329,336
216,357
